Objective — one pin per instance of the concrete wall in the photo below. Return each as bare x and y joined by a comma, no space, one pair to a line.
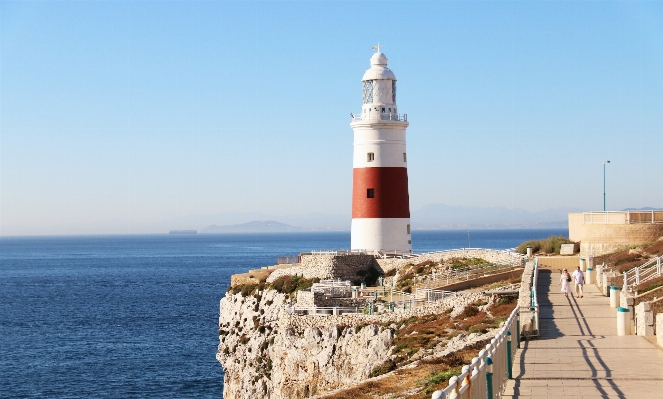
599,239
463,285
557,263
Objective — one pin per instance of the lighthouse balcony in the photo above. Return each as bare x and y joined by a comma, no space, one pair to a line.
377,116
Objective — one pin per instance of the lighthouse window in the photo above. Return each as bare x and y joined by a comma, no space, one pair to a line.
408,229
370,157
404,157
382,109
367,91
370,193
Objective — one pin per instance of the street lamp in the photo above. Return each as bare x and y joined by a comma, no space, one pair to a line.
604,163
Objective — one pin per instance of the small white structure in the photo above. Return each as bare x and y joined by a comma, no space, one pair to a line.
380,199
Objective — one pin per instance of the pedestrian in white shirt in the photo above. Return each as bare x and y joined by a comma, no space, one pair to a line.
579,279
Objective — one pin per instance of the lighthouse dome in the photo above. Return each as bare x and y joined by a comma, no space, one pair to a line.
378,69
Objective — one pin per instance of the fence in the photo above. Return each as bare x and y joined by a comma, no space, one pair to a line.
283,260
643,273
374,116
469,273
333,288
623,217
487,375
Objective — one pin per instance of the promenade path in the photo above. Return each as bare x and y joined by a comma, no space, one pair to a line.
579,354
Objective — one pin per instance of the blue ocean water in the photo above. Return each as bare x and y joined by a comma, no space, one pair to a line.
136,316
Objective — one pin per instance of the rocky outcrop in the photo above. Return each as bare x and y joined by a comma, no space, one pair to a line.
267,352
264,356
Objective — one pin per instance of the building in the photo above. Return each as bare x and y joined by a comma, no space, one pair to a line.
380,199
605,232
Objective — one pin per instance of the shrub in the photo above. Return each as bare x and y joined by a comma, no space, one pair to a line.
384,368
550,245
369,275
470,310
290,284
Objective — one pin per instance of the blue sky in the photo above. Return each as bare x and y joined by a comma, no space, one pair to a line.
136,112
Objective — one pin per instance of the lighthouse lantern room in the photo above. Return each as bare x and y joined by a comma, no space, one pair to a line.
380,200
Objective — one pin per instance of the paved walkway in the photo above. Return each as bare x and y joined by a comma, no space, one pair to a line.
579,354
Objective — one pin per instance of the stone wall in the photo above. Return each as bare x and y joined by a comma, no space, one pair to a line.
644,319
306,298
659,329
492,256
344,267
525,298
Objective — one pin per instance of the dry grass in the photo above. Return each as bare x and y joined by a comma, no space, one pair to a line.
649,285
424,379
624,261
430,374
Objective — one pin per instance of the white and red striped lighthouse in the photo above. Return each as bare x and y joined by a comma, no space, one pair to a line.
380,200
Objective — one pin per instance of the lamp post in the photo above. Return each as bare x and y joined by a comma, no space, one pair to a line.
604,163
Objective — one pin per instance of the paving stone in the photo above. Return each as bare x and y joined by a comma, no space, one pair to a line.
579,354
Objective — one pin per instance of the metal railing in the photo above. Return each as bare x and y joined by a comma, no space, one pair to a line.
531,313
458,275
333,288
645,272
323,311
486,376
283,260
379,116
623,217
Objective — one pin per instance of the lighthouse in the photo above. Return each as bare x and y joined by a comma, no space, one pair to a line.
380,199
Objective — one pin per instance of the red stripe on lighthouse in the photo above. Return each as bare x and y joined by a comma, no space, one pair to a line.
391,199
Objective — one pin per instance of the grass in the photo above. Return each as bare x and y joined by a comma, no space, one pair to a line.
550,245
425,379
649,285
284,284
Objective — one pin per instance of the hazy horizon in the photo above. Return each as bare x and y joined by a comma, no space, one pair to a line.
118,116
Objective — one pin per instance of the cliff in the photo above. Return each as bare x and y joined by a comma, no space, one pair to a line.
275,341
265,355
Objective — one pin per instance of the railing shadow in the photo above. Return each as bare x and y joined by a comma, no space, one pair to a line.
548,328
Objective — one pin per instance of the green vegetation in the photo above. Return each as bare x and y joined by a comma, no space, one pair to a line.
439,378
465,263
290,284
550,245
370,275
284,284
384,368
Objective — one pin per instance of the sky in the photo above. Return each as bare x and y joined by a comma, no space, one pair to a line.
125,113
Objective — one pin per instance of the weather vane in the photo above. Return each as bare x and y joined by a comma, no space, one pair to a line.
378,47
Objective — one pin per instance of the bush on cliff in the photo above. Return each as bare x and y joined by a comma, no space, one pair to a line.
290,284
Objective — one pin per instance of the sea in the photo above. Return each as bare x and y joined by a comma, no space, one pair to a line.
135,316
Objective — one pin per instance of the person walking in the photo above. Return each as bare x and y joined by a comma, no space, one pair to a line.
579,279
564,280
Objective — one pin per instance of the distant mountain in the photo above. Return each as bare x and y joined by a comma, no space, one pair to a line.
440,216
647,208
267,226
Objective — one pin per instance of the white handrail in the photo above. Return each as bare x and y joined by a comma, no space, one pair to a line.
472,380
643,273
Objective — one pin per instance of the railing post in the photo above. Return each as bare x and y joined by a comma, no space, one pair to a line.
508,354
489,378
637,276
453,381
518,329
